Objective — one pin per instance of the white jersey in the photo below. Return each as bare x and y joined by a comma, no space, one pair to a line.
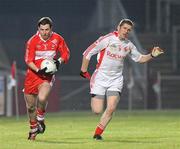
111,54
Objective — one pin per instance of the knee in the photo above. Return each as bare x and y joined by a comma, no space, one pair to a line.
42,98
31,109
110,111
97,111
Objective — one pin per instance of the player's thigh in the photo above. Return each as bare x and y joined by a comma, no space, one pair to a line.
97,103
30,100
113,98
44,90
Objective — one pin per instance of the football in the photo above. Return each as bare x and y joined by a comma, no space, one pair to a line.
51,66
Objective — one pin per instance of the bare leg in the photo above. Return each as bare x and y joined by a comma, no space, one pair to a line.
31,111
97,105
112,102
44,91
31,106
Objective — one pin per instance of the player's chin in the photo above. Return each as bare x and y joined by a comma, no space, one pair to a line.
125,36
45,37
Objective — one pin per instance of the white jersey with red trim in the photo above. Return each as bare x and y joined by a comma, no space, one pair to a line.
111,54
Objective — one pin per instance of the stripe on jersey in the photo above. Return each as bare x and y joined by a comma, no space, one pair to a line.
45,54
93,79
100,58
89,49
95,43
103,37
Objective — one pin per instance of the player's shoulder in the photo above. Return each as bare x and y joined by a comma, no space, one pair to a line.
57,36
129,42
111,34
32,38
106,36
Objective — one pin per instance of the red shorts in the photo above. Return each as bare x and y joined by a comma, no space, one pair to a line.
32,82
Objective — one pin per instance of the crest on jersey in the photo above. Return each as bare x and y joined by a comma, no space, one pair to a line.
113,47
55,41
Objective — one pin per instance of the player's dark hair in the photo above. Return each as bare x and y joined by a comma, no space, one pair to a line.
126,21
44,21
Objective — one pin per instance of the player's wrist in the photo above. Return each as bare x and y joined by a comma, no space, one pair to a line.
83,71
60,60
152,55
85,74
37,69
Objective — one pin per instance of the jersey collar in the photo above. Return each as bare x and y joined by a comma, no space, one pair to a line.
115,33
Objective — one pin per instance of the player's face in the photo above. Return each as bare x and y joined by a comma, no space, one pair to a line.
45,31
124,30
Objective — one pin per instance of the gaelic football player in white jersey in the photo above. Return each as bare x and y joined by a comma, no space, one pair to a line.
107,80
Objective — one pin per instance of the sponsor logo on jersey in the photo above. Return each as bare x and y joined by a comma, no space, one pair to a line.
113,47
115,55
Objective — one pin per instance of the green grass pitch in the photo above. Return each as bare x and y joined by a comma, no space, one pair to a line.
74,130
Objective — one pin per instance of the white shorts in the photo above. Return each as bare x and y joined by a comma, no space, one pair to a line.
100,84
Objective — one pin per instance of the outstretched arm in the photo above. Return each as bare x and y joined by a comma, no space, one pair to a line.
156,51
145,58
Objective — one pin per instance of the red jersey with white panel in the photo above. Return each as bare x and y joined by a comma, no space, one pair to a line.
111,54
38,49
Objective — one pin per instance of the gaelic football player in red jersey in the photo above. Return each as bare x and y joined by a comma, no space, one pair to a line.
107,80
45,44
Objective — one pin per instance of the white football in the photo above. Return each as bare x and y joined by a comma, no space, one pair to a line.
51,66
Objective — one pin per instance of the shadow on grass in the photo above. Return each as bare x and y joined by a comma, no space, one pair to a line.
150,140
131,141
65,141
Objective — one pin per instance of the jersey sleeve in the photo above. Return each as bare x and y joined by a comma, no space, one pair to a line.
134,53
96,47
64,50
30,52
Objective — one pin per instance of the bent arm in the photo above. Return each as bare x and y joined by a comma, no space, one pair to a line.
32,66
64,51
30,55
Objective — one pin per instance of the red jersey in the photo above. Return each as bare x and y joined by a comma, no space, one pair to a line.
38,49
